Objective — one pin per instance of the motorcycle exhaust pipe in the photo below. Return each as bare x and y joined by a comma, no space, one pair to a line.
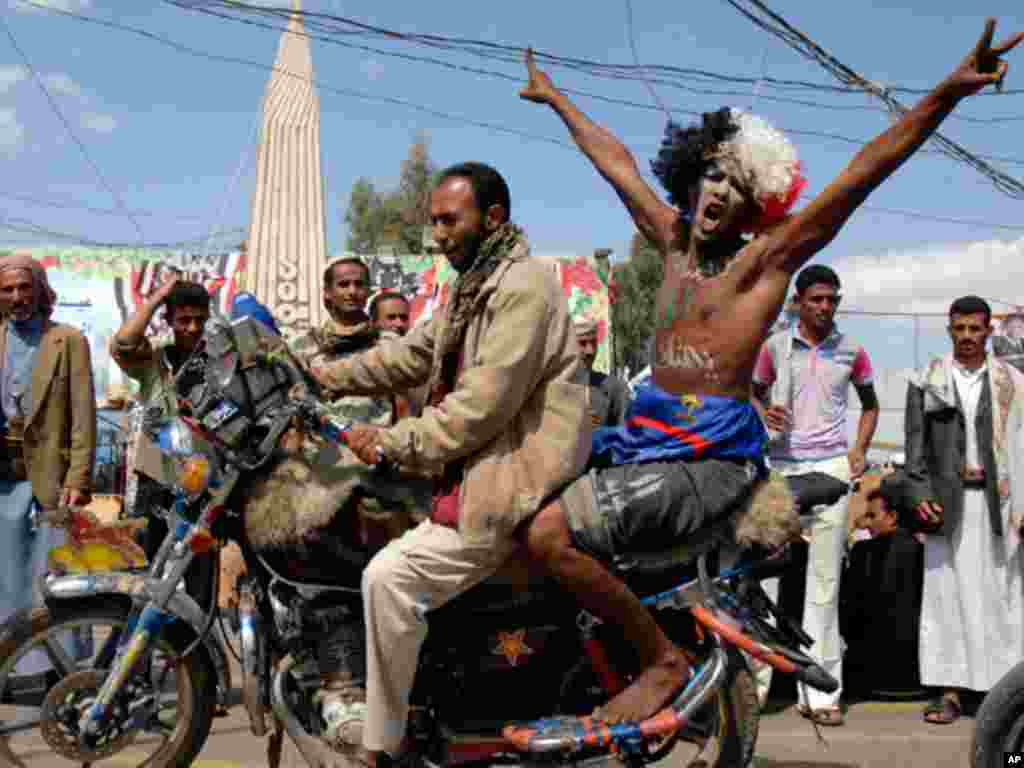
315,752
574,734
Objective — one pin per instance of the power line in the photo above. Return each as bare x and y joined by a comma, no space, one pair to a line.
70,131
801,43
25,226
618,72
636,59
182,48
92,209
828,136
350,27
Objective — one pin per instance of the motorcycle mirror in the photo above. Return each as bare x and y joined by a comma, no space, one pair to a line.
222,370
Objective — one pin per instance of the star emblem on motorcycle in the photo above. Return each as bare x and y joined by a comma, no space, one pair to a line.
512,645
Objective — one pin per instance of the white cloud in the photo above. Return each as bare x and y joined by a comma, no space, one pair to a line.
12,132
11,76
929,278
98,122
37,6
62,84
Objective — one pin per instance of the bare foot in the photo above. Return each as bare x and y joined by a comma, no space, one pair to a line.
650,692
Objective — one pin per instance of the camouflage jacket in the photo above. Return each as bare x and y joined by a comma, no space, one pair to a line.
331,342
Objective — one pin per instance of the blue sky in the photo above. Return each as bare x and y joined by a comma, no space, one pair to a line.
170,131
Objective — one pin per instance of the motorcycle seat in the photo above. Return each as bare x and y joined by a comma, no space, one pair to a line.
681,555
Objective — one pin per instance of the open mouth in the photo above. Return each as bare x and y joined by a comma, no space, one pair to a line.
712,217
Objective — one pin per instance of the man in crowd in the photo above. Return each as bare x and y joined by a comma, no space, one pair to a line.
505,427
802,383
389,311
347,330
186,310
961,437
609,395
733,174
48,410
880,600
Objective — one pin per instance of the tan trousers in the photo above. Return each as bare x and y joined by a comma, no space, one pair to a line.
424,569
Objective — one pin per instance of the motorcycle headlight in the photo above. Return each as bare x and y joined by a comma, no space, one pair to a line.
194,469
176,439
196,473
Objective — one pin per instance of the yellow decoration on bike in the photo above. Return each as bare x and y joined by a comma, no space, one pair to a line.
90,558
194,474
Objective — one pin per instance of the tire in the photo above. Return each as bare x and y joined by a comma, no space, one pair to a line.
733,718
999,724
194,674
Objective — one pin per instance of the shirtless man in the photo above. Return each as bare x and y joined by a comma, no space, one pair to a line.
716,306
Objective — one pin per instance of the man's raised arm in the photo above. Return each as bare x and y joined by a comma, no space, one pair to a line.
613,160
798,239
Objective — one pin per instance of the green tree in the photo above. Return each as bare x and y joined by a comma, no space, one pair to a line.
366,217
633,314
396,217
411,201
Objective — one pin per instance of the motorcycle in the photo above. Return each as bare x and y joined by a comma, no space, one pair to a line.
513,650
999,722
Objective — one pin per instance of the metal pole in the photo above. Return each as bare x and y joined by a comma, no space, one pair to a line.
917,342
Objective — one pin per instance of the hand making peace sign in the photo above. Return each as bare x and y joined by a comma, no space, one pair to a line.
983,65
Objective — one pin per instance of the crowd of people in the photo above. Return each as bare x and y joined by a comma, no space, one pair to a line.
532,453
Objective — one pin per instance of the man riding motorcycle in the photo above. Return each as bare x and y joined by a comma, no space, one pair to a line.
505,427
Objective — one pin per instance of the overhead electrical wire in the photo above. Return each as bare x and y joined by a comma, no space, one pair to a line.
25,226
506,52
636,60
637,72
182,48
770,21
28,200
71,131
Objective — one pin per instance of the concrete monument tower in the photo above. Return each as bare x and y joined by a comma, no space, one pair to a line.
286,250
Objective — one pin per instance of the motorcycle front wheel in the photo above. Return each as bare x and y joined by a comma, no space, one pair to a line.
999,724
161,719
723,733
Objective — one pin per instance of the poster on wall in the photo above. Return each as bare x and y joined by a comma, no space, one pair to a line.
99,288
584,284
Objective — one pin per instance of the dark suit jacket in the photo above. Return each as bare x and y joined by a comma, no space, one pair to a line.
935,446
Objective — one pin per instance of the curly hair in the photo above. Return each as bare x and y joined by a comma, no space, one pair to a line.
765,158
684,154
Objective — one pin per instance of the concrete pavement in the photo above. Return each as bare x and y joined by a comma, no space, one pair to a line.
876,734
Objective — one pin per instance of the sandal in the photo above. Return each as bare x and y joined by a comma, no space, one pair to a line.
943,711
827,716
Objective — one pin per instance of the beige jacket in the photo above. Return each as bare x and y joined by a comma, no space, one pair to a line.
60,430
518,414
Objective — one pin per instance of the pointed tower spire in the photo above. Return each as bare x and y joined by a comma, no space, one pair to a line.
286,250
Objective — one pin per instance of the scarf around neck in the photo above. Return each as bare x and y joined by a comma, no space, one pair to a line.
506,242
337,339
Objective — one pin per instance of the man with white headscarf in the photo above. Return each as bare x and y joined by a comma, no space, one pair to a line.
609,395
48,411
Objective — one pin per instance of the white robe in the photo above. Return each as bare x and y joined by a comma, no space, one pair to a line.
972,608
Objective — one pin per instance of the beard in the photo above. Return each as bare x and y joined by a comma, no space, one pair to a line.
470,251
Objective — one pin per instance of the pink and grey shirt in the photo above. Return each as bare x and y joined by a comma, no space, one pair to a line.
819,379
